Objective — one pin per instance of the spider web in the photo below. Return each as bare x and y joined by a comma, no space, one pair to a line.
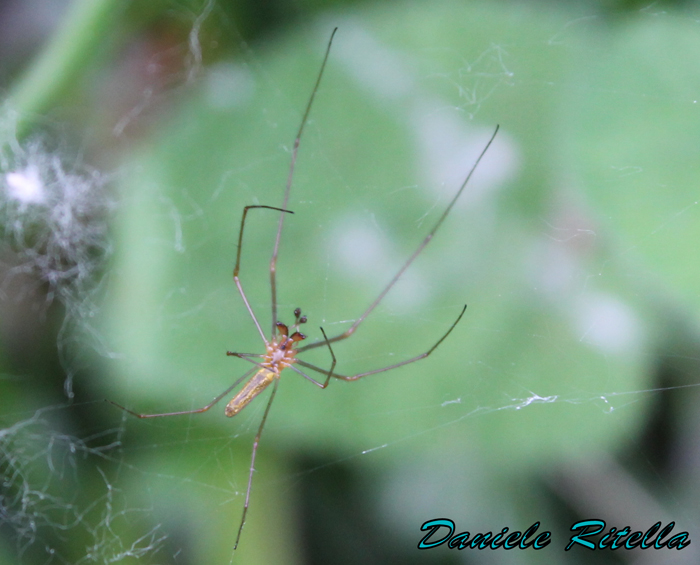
569,247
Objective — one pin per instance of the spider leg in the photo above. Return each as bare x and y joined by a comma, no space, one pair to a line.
328,373
307,377
199,410
383,369
237,268
290,176
273,268
347,333
245,357
252,464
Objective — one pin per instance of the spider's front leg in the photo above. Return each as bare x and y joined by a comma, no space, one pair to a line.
197,411
375,371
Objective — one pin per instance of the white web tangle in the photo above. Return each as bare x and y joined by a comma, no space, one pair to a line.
40,496
54,221
53,217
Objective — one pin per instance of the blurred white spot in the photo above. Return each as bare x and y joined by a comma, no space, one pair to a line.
605,322
560,269
377,68
26,186
361,251
554,268
366,257
228,85
449,147
560,258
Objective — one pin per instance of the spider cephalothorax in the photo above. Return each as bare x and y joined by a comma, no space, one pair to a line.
281,351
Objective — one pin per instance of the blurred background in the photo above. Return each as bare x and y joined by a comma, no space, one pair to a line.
132,136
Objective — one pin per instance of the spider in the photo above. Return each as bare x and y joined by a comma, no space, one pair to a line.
283,346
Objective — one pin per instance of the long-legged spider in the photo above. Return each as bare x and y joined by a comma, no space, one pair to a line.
281,349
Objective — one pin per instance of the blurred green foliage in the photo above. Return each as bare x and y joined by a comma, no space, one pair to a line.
573,249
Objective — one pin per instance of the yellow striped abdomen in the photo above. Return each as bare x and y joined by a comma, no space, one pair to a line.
257,383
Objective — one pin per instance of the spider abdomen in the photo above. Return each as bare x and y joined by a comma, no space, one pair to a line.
257,383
